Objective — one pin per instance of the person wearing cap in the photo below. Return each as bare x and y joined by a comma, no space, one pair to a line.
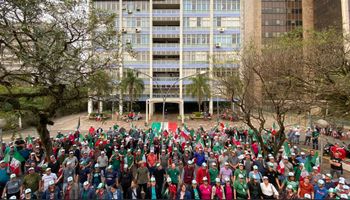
12,187
340,187
254,187
174,173
188,174
125,179
84,174
213,173
102,160
101,192
110,176
239,171
194,190
308,134
205,189
240,186
71,191
305,187
164,159
46,178
28,195
268,190
255,173
290,180
31,181
130,159
68,171
151,161
293,159
314,137
201,173
142,176
315,175
346,190
302,157
336,165
225,172
97,175
87,192
328,181
272,175
52,192
320,191
218,190
200,158
288,167
4,176
183,193
71,159
260,162
331,194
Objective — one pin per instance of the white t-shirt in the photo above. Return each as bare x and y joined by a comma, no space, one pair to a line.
268,190
47,178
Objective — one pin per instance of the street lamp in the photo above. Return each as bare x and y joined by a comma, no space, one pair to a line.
165,95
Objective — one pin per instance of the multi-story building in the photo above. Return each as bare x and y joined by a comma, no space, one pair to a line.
176,39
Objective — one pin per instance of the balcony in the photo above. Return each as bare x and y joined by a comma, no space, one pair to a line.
166,1
166,47
166,13
165,79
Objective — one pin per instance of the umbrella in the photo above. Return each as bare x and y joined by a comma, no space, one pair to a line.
322,123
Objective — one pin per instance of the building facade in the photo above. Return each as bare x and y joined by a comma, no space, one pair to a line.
175,39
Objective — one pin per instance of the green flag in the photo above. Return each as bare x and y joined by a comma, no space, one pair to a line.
286,149
315,158
156,127
308,165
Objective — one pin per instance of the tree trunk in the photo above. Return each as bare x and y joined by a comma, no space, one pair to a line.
199,106
44,134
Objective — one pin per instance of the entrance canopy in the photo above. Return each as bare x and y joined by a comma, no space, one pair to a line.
151,101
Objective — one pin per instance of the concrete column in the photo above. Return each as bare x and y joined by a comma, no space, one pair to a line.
150,49
181,53
90,106
182,112
211,54
150,110
120,55
100,106
147,113
211,106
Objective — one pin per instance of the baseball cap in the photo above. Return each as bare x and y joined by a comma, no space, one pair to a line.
315,168
289,187
226,163
329,175
303,153
342,182
255,167
265,177
86,183
346,187
189,162
52,182
240,176
168,179
204,164
13,197
307,196
31,168
194,182
109,167
217,180
331,190
259,156
205,178
28,190
320,182
101,185
344,196
13,176
290,174
69,179
97,165
227,179
153,179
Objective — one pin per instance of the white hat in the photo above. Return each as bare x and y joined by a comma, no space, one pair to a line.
346,187
329,175
168,179
217,180
13,197
240,176
289,187
125,166
48,169
290,174
214,164
28,190
226,163
69,179
194,182
204,164
307,196
344,196
189,162
302,153
320,182
293,154
86,183
205,178
97,165
31,168
227,179
285,157
265,177
153,179
102,152
315,168
52,182
152,151
259,156
342,182
13,176
109,167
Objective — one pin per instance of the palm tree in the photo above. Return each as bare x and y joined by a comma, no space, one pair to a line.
100,85
199,88
133,85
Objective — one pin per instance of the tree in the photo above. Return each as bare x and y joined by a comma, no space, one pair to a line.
267,85
100,85
55,43
132,85
199,88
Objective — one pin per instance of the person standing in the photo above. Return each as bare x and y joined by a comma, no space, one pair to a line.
205,189
268,190
241,190
308,135
71,191
254,188
125,180
159,176
336,165
315,135
142,176
31,181
52,192
194,190
217,191
12,187
87,193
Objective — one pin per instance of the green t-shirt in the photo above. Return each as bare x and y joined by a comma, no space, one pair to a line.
32,181
130,159
213,174
294,184
174,175
241,189
115,163
238,172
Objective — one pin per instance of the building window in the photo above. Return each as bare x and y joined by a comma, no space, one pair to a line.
199,22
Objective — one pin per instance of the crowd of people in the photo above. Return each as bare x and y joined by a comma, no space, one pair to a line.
225,163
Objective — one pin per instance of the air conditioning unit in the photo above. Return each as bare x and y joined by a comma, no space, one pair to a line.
221,30
124,8
129,11
218,45
138,30
128,41
124,30
138,9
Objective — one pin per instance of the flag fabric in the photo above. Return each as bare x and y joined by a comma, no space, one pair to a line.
81,137
172,126
280,167
222,125
156,127
315,160
78,126
274,129
286,148
15,164
308,165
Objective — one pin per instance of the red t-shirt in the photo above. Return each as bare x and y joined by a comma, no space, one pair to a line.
305,189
